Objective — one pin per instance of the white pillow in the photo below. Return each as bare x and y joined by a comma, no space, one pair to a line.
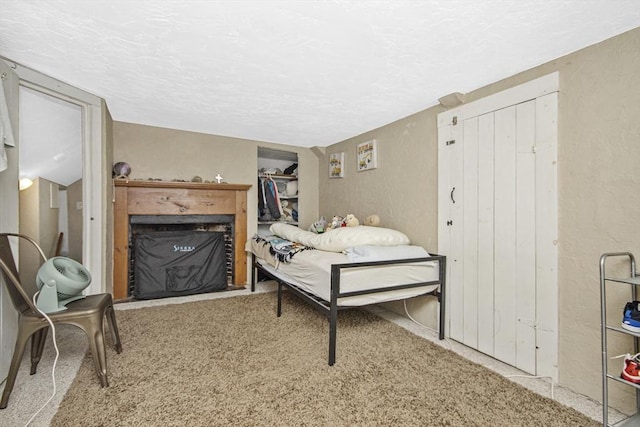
345,237
341,238
383,253
292,233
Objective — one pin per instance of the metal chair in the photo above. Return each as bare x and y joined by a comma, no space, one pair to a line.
88,314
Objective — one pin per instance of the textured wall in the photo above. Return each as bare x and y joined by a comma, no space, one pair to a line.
599,192
38,221
30,226
599,175
402,190
74,195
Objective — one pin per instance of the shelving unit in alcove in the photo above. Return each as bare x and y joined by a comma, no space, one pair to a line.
633,280
278,166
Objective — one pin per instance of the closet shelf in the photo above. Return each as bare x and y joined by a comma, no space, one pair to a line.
277,222
278,176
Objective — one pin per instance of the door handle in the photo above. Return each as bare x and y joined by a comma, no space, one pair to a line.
452,199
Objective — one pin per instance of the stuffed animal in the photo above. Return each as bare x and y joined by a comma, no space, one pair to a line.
319,226
286,210
351,221
372,221
336,222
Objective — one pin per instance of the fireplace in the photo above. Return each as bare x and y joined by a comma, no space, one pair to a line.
180,255
159,206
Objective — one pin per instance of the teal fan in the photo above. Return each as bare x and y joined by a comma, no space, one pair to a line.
60,280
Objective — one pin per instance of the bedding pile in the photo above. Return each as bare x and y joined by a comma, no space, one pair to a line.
281,249
362,243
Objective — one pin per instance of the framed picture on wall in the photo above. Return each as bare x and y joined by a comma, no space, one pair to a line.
336,165
367,156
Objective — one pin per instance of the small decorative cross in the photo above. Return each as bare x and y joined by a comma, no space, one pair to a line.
218,178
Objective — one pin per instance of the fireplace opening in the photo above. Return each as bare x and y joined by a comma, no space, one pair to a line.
175,255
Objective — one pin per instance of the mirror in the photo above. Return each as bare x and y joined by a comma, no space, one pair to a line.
50,155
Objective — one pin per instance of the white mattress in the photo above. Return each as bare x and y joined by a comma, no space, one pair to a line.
311,270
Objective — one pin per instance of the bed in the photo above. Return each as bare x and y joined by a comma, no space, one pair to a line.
347,268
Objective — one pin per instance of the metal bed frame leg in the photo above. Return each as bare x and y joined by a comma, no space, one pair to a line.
333,327
333,313
279,311
442,274
253,272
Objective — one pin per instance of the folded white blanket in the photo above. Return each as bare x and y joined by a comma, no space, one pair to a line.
382,253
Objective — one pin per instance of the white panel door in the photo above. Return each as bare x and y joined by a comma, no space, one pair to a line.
469,199
498,225
486,270
504,291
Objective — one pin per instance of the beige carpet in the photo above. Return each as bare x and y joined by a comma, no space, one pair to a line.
232,362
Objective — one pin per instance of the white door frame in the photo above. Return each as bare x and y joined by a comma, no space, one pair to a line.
93,189
9,200
547,215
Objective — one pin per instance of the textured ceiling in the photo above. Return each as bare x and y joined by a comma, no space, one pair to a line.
305,73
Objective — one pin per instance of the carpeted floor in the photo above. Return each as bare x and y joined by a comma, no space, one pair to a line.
233,362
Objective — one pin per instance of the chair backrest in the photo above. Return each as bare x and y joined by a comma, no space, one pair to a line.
20,296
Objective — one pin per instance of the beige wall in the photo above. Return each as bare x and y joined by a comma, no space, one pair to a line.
402,190
38,221
599,191
29,213
170,154
74,195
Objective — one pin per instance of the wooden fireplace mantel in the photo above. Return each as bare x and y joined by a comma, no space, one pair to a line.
134,197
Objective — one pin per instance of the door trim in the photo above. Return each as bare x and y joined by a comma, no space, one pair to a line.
94,216
530,90
9,199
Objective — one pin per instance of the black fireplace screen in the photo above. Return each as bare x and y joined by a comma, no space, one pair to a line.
175,263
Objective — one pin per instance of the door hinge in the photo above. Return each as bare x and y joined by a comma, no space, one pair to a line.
450,222
454,120
451,142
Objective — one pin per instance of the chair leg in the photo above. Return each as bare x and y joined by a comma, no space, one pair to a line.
18,351
38,341
96,345
113,326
